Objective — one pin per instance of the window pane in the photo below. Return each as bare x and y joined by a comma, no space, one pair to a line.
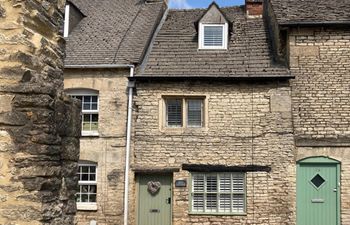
92,177
174,112
213,36
84,188
86,106
84,169
92,169
238,203
194,112
212,183
225,203
198,202
92,198
211,205
92,189
84,198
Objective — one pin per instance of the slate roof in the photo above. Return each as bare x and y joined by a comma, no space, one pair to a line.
311,11
175,49
113,31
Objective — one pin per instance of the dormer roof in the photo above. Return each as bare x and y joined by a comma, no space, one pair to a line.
213,15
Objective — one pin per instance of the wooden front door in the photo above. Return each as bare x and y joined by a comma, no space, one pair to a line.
154,199
318,192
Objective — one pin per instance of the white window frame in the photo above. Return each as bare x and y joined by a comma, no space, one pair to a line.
83,92
184,100
218,192
224,37
66,21
88,205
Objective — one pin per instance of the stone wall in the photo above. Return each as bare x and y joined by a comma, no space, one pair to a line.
108,148
320,59
39,145
247,124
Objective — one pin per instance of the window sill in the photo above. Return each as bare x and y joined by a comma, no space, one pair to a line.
87,206
90,134
216,214
184,130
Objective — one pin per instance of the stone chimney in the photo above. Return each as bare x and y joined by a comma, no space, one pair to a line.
254,8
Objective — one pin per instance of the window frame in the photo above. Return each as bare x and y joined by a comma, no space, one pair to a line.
82,93
184,102
217,212
224,37
87,205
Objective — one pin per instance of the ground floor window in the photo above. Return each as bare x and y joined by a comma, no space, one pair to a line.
218,193
87,188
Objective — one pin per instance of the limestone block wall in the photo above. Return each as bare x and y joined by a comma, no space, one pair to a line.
39,146
108,149
247,123
320,60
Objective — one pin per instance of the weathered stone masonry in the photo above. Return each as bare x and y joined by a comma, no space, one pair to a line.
320,59
108,149
39,130
229,140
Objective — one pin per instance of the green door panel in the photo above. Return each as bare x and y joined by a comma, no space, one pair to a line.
154,209
317,194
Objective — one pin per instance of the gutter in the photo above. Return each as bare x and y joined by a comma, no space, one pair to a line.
131,86
310,24
99,66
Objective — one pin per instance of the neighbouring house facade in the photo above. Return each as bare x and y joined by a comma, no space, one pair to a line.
238,115
104,45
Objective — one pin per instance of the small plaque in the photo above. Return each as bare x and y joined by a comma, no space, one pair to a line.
180,183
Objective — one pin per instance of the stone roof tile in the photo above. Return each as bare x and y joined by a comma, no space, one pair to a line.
311,11
175,49
113,31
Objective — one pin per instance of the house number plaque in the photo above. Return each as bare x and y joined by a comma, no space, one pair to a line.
180,183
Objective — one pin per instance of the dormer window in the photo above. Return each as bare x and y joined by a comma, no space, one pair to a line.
213,29
213,36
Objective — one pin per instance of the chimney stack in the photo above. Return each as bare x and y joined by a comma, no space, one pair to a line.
254,8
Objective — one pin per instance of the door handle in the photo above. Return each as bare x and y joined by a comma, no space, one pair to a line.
335,190
168,200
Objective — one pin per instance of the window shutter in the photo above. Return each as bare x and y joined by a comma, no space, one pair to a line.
238,183
174,112
213,36
238,203
194,112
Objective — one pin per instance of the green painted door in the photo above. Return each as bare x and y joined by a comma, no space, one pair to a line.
317,193
154,199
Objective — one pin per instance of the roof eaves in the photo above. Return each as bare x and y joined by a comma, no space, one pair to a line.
314,23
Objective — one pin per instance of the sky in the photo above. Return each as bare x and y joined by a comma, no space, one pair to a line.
188,4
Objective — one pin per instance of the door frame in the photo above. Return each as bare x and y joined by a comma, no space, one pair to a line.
323,160
137,176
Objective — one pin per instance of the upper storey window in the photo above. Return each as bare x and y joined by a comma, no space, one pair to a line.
213,29
213,36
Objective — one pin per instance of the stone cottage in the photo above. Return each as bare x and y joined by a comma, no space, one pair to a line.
213,131
314,41
242,117
235,115
106,40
